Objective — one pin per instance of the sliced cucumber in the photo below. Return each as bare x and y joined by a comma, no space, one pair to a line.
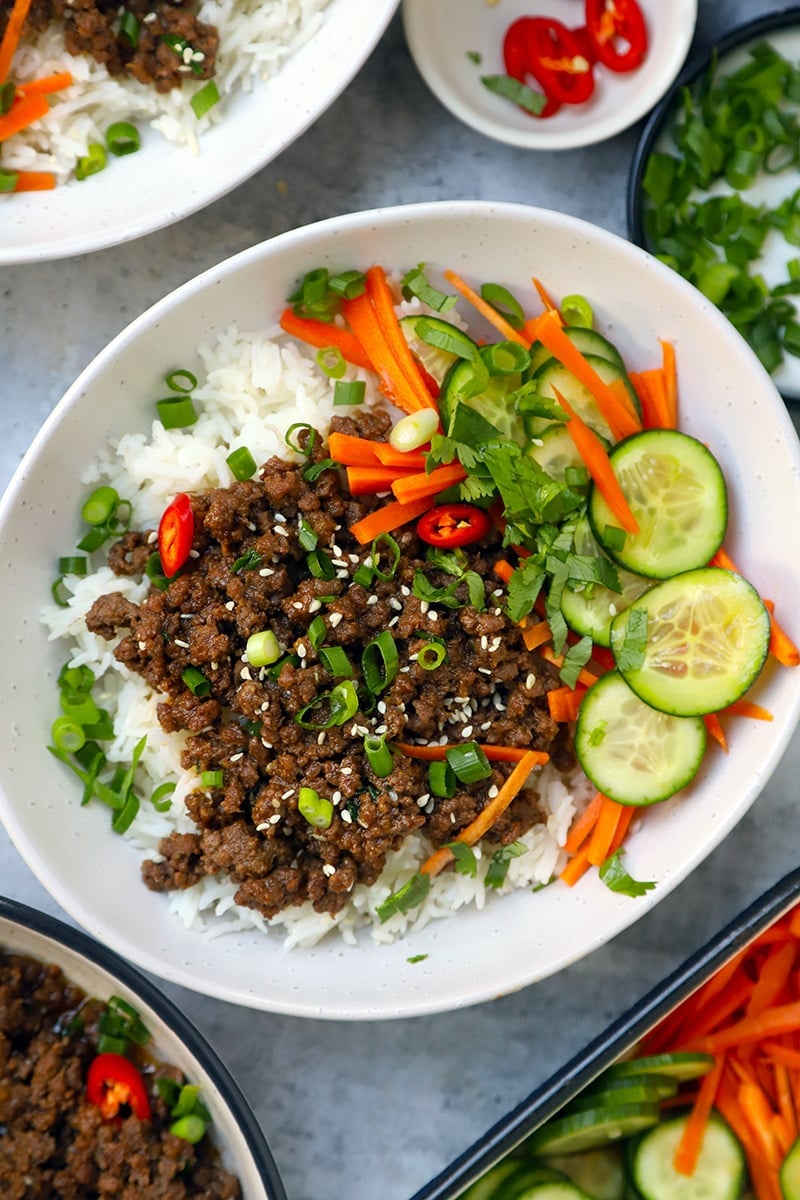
488,1185
590,611
718,1175
676,492
563,1190
707,637
492,402
600,1173
660,1085
591,1128
553,377
630,752
554,450
635,1089
790,1173
680,1065
527,1177
435,361
588,341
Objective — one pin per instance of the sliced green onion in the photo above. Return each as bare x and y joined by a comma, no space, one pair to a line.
315,286
111,1045
380,662
155,572
502,300
452,340
333,707
442,779
212,778
331,362
415,430
416,283
123,820
120,518
306,536
190,1128
8,181
242,464
320,565
79,707
335,661
161,798
614,537
316,809
275,670
469,762
431,655
205,99
364,574
92,162
181,380
73,565
307,447
129,28
262,648
348,392
97,536
247,561
99,506
348,284
387,542
317,632
466,862
409,896
576,477
196,682
176,412
101,730
67,734
76,679
379,756
576,310
498,865
505,358
123,138
314,471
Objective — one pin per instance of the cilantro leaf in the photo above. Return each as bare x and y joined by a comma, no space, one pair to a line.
576,657
475,590
468,426
524,588
526,399
423,589
415,958
412,893
452,561
631,652
476,487
498,865
617,879
466,862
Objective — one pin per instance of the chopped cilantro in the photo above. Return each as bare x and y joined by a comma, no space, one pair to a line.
630,655
498,865
617,879
415,958
247,562
475,56
575,658
411,894
466,863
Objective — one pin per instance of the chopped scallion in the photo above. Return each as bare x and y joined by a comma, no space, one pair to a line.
242,464
176,412
316,809
441,779
378,755
212,778
335,661
262,648
331,362
196,682
92,162
380,662
205,99
469,762
123,138
349,392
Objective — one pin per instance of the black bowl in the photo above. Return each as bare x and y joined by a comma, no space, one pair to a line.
696,66
543,1103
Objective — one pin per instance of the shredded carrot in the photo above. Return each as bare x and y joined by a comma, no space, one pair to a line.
366,481
352,451
536,635
773,978
387,519
48,84
564,703
691,1143
616,414
583,825
503,569
669,367
784,1018
604,832
576,868
781,645
649,387
623,825
715,730
758,1114
322,335
23,112
512,754
486,310
34,181
11,36
593,453
587,678
546,299
489,815
423,484
383,304
746,708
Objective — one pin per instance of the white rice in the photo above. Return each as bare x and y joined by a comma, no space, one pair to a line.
256,386
256,38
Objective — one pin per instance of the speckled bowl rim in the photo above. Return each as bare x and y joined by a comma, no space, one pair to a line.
698,63
80,944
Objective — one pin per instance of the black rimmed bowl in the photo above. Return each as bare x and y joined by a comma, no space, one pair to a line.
615,1042
782,30
102,974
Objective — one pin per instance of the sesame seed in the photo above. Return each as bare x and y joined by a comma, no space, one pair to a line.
423,800
484,670
495,644
346,771
492,791
484,642
280,531
423,606
392,622
347,817
287,794
198,56
187,54
265,705
426,797
335,619
337,550
372,600
381,706
395,604
339,562
342,574
321,738
267,745
275,819
265,572
298,604
530,680
336,797
280,517
467,731
315,606
264,825
329,869
404,591
237,756
379,729
245,673
353,558
452,818
153,534
486,725
142,645
301,651
230,605
178,642
433,614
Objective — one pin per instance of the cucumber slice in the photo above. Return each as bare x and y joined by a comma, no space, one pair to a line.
528,1177
707,639
634,1089
591,1128
565,1190
720,1170
493,402
435,361
554,450
660,1085
588,341
630,752
600,1173
790,1173
676,492
590,612
489,1184
553,376
680,1065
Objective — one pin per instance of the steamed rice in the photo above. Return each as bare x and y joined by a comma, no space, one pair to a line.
256,385
256,38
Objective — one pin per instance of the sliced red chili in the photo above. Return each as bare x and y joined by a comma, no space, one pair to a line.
618,33
515,57
113,1083
451,525
555,60
175,534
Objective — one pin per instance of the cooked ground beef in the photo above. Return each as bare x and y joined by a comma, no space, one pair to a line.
249,572
54,1144
171,43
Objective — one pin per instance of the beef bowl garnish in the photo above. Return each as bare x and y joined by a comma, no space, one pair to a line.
313,651
106,1089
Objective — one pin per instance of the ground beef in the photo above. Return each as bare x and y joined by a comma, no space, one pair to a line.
249,572
171,43
54,1144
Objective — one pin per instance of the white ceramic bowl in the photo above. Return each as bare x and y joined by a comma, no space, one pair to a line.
442,34
163,183
102,974
726,398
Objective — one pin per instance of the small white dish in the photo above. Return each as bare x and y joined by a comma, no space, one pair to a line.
442,34
164,183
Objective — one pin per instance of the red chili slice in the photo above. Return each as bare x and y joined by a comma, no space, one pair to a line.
112,1083
515,57
451,525
175,534
618,33
555,60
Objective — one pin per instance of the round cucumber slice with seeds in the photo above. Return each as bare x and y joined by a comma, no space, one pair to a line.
676,491
718,1175
706,637
590,610
651,1088
554,451
436,362
680,1065
588,341
553,376
493,401
591,1128
632,753
489,1184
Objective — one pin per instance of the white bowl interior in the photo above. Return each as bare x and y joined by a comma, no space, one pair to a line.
164,183
443,35
726,399
167,1046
